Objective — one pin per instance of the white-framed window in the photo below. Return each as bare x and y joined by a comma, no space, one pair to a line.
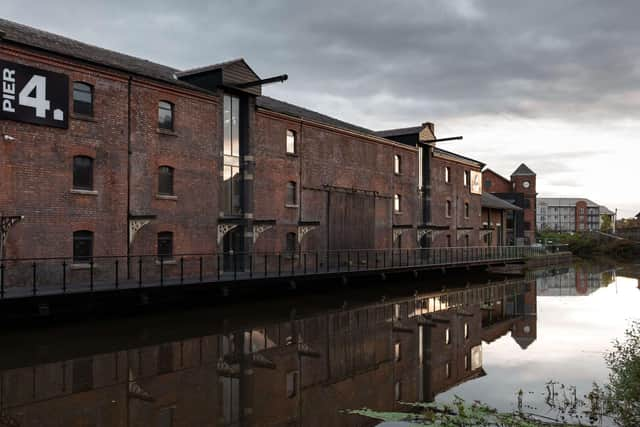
291,141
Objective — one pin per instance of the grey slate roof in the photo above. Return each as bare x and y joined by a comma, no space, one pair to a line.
398,132
491,201
605,210
35,38
293,110
452,154
565,201
523,170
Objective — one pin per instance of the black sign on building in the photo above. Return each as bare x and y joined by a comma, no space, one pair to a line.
34,96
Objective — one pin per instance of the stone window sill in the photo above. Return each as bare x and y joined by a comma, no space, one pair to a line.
81,266
83,192
166,197
292,154
291,206
168,261
397,212
167,132
83,117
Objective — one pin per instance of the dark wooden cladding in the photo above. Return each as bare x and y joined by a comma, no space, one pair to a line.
351,220
239,72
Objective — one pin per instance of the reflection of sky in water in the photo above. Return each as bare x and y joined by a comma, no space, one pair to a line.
573,334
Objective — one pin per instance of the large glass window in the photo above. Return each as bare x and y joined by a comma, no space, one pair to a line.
292,193
291,142
165,180
165,115
83,173
231,152
165,244
82,246
82,99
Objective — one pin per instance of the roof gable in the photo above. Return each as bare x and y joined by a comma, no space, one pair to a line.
228,73
523,170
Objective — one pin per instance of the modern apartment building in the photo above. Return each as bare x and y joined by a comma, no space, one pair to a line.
568,214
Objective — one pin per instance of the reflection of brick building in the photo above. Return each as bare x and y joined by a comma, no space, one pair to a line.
301,371
520,190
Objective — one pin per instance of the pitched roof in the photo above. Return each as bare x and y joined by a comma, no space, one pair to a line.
278,106
565,201
497,174
399,132
39,39
438,150
494,202
638,216
523,170
218,66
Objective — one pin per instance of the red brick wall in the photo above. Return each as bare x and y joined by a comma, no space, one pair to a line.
37,170
458,194
530,197
328,157
494,183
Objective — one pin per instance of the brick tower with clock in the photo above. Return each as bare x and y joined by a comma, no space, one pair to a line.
523,181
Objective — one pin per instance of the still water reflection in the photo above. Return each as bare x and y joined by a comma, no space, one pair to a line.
299,362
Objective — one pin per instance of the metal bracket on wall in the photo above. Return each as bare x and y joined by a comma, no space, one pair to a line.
421,233
136,223
224,229
258,229
304,229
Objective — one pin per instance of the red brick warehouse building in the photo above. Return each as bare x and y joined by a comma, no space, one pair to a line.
104,154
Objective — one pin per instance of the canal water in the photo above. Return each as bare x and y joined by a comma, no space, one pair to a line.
305,359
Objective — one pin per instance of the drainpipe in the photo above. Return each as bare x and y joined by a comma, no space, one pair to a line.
128,175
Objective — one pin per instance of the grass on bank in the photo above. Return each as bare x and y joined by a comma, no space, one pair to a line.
591,245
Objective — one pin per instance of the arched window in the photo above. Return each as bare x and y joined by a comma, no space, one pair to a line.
292,193
397,203
165,244
82,99
291,142
396,164
165,115
82,246
83,173
165,180
292,242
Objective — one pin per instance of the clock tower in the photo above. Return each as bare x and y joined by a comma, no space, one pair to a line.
523,181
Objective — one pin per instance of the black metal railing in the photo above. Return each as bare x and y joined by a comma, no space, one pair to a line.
42,276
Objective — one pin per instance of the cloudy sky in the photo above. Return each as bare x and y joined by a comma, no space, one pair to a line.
553,84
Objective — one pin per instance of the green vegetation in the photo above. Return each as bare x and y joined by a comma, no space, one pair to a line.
592,245
618,401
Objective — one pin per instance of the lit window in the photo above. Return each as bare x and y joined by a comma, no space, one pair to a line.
396,164
466,330
292,193
165,115
447,336
291,142
165,180
82,246
396,203
396,349
447,174
82,99
165,244
83,173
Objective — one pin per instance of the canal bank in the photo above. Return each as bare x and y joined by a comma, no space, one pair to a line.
106,293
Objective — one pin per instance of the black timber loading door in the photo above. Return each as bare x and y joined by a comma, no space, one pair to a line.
351,220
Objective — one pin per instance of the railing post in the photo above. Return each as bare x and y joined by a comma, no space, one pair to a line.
279,264
304,268
117,274
235,266
250,266
1,280
201,268
181,270
161,270
317,262
348,260
140,271
384,258
64,276
367,260
218,266
338,260
266,259
33,266
91,274
293,261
